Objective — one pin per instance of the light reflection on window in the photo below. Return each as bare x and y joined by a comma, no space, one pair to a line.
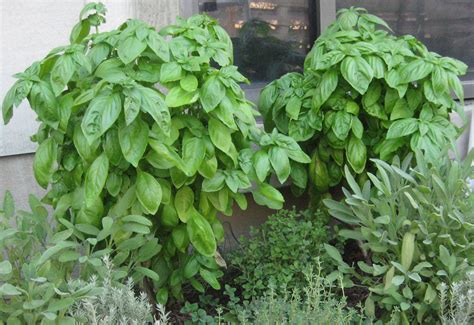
270,38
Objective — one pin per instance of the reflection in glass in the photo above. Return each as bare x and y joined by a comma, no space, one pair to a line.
445,26
270,37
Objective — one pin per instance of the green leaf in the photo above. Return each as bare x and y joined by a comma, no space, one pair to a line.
5,267
131,106
408,249
129,49
293,108
8,205
401,110
62,72
177,97
189,83
102,112
342,124
456,85
210,278
280,163
401,128
201,234
153,104
397,280
111,70
327,86
7,289
80,31
95,179
333,253
415,70
261,163
211,93
148,273
194,152
357,127
347,20
215,183
60,304
184,203
220,135
44,162
47,254
134,140
158,45
269,196
170,71
148,192
439,79
357,72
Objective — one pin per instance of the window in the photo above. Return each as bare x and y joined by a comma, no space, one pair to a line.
445,26
270,37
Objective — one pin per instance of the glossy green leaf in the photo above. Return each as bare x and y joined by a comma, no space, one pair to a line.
148,192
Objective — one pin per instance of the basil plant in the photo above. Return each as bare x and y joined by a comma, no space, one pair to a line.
364,93
415,228
135,122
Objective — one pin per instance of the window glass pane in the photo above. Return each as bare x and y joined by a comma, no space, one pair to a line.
444,26
270,37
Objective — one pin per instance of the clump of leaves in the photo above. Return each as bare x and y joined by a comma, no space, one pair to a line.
38,260
115,304
113,144
315,303
364,93
279,251
457,301
415,226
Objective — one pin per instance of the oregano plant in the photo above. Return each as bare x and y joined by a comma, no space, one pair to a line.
364,93
145,126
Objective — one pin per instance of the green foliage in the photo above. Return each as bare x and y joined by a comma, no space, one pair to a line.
415,227
457,301
117,152
364,93
38,261
278,252
315,304
115,304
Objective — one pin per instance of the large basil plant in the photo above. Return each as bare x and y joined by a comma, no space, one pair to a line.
364,93
135,122
415,227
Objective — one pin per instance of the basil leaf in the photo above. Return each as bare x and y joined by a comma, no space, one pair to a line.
44,162
129,49
170,71
201,234
193,154
148,192
211,93
184,203
158,45
280,163
261,163
267,195
133,141
96,177
357,72
102,112
402,128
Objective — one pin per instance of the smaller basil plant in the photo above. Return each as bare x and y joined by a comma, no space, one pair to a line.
364,93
